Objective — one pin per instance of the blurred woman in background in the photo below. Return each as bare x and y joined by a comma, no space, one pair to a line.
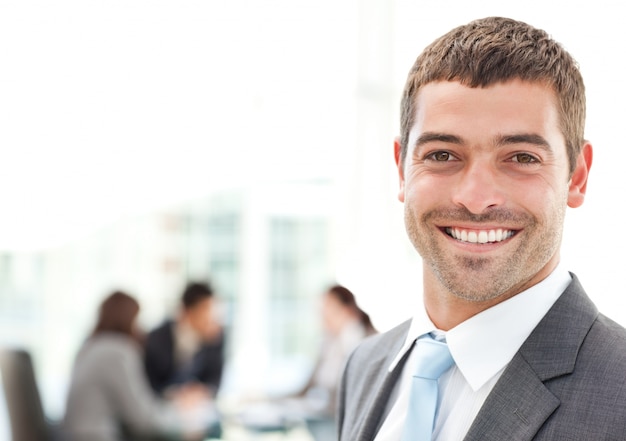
345,326
109,397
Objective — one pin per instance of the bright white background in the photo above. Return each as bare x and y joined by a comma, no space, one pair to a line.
110,108
113,108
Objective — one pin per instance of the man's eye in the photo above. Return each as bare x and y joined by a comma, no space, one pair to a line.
524,158
440,156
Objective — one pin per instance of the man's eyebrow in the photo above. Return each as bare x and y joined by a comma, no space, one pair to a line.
427,137
520,138
524,138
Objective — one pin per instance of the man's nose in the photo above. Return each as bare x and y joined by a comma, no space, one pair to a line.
478,188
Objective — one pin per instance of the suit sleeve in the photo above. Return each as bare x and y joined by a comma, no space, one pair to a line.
210,364
341,399
158,358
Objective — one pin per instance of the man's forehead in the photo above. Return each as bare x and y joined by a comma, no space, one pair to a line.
503,112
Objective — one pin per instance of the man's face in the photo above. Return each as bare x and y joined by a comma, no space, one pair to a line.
485,185
199,317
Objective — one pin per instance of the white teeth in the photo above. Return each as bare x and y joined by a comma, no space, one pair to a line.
483,236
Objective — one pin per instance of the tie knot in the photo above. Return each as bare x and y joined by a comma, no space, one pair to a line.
433,359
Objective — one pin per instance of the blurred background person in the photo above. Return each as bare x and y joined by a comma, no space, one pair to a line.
189,348
109,397
344,325
187,351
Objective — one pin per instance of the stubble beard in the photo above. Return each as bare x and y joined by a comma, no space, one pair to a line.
480,279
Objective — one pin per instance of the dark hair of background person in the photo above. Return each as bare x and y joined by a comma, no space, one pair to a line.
117,313
347,299
195,292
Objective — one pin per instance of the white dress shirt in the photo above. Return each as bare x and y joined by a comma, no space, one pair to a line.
481,347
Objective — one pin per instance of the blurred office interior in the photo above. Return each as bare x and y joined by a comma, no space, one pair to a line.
147,144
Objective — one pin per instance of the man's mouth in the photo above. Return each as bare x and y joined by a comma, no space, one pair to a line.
479,236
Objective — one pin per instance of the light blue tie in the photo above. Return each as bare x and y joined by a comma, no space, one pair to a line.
433,359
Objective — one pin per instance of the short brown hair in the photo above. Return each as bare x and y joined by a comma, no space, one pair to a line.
195,292
496,49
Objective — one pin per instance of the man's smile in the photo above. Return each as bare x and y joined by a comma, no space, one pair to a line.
479,236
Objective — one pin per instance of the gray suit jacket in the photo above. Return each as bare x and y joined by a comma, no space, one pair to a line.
567,381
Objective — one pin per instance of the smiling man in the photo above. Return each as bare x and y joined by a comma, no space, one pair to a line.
491,154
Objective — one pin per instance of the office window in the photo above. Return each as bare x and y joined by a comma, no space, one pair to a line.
299,261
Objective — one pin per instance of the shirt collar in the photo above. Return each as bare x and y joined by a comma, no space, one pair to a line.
484,344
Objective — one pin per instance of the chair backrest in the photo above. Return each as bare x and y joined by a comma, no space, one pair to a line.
26,415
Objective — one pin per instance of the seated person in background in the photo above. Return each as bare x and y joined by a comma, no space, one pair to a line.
109,397
188,349
345,325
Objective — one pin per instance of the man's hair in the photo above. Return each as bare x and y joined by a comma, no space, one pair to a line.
194,293
493,50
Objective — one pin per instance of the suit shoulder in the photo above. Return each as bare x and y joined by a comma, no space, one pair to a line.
610,326
163,330
607,339
384,342
108,346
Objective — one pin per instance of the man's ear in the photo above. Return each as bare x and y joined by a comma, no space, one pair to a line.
578,182
397,151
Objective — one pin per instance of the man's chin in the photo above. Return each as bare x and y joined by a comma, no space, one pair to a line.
475,286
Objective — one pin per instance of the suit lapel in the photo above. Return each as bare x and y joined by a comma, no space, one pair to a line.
521,400
517,406
376,412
